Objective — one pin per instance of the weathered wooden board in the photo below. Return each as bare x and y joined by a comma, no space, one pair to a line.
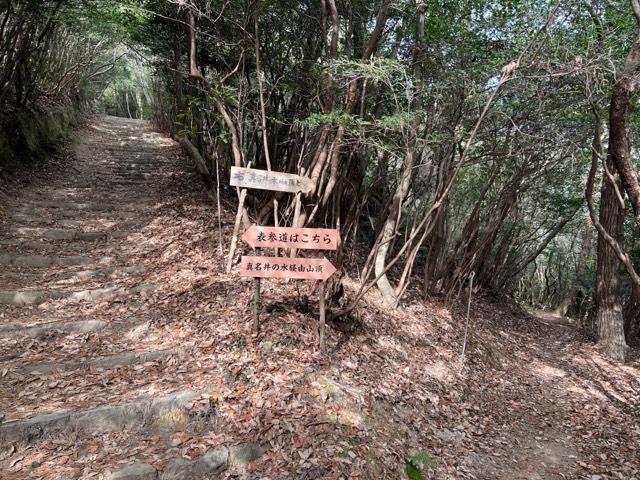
281,267
267,180
287,237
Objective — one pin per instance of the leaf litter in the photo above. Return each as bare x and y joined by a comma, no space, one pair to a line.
533,399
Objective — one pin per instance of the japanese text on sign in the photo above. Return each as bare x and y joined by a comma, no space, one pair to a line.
281,267
284,237
267,180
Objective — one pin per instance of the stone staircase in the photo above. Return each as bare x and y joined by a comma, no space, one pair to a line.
75,395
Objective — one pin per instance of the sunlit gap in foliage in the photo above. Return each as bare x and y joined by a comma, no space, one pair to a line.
127,91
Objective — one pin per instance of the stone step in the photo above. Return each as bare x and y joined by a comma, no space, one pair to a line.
120,177
61,248
124,225
126,161
42,261
110,194
74,193
79,195
44,217
210,465
162,413
129,175
22,245
129,184
34,297
132,151
126,187
111,361
129,163
74,235
48,328
93,273
79,206
133,169
80,326
21,219
115,176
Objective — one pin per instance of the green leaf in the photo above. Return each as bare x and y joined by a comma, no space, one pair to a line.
423,458
413,472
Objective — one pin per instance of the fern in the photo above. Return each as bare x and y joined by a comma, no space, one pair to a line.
413,465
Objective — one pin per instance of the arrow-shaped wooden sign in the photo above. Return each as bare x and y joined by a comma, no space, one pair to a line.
281,267
287,237
268,180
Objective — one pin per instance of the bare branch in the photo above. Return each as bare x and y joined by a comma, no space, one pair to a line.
635,5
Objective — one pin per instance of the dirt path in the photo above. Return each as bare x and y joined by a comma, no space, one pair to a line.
80,344
556,407
67,248
126,354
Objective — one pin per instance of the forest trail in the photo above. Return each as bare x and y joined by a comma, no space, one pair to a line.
79,349
559,406
532,400
125,353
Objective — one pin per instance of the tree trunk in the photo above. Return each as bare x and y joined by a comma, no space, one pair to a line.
609,316
391,224
436,253
571,296
177,75
631,314
624,89
392,221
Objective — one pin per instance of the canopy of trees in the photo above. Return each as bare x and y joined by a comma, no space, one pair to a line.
445,139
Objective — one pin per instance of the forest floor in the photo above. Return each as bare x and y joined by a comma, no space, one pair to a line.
122,343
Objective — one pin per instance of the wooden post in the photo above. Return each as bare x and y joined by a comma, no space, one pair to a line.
276,220
256,305
322,316
296,213
256,301
296,216
236,229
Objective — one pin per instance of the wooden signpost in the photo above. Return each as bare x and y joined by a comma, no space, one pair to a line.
284,237
268,180
284,267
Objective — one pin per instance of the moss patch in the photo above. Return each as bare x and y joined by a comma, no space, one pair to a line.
27,135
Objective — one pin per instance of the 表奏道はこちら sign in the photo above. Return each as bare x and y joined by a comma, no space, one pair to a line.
288,237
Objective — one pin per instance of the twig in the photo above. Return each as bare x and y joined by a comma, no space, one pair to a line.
466,325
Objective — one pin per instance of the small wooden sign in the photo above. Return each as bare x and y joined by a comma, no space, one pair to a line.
282,267
267,180
287,237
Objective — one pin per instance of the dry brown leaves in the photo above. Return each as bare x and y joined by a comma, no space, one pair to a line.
532,399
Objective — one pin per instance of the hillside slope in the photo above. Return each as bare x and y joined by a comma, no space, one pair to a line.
156,362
